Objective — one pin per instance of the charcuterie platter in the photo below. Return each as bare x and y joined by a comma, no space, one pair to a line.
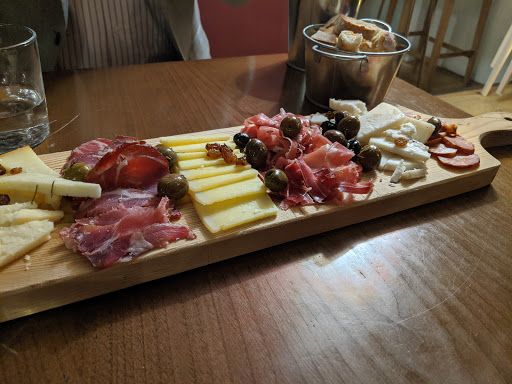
58,276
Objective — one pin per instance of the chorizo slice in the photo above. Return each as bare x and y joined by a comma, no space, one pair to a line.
463,146
436,138
460,161
442,150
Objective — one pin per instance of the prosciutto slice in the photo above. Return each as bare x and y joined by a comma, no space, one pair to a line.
134,225
89,153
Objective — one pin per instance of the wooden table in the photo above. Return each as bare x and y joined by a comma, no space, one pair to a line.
424,295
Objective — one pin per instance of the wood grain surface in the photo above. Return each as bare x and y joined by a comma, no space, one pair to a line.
422,295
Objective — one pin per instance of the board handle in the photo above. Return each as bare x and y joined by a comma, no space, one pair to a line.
492,129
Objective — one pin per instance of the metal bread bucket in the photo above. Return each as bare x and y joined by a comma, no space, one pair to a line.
333,73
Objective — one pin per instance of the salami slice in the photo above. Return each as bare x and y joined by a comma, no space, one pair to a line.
434,139
463,146
442,150
460,161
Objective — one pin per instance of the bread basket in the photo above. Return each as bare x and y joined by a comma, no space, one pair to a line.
333,73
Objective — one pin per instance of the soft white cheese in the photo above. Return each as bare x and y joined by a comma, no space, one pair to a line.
413,150
384,116
353,107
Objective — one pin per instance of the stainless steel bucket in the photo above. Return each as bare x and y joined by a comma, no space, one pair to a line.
302,13
333,73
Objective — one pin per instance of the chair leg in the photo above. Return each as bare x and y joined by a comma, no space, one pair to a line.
498,65
438,44
391,11
424,39
405,19
505,80
484,12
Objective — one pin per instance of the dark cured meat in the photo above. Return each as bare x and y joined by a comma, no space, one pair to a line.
129,165
461,144
462,161
89,153
122,233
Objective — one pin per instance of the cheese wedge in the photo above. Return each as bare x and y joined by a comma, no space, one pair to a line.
42,200
383,116
199,173
199,147
249,187
202,161
49,185
413,150
204,184
17,240
26,215
27,159
225,215
423,129
172,141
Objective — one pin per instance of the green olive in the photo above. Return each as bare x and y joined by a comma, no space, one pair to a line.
76,172
169,154
256,153
369,157
291,126
336,136
436,123
276,180
349,126
174,186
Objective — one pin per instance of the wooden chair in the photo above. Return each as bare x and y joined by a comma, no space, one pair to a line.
498,62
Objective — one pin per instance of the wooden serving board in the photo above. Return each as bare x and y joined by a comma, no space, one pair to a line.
57,276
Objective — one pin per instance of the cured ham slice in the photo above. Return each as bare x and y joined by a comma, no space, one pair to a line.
89,153
123,232
129,165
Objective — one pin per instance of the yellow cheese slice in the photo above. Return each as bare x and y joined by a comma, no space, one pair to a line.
11,208
199,173
204,184
27,159
229,214
50,185
202,162
42,200
26,215
200,147
189,155
172,141
249,187
17,240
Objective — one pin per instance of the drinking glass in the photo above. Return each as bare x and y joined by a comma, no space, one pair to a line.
23,113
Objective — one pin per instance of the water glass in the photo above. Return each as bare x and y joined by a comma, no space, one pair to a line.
23,112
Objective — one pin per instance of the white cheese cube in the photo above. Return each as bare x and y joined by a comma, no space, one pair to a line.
423,129
384,116
354,107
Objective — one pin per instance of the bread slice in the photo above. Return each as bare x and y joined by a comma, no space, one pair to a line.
324,37
349,41
346,23
17,240
384,42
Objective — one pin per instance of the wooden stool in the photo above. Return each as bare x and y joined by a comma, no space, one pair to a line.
424,77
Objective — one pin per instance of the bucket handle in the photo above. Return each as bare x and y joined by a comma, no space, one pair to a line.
339,56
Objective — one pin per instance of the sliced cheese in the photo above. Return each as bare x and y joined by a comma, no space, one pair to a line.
353,107
11,208
190,155
383,116
204,184
249,187
226,215
27,159
17,240
413,150
42,200
172,141
49,185
199,147
389,161
199,173
423,129
26,215
202,161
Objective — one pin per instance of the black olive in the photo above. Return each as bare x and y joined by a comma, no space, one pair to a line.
291,126
369,157
174,186
276,180
338,116
330,114
354,145
76,172
436,123
169,154
241,139
336,136
349,126
4,199
256,153
327,126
